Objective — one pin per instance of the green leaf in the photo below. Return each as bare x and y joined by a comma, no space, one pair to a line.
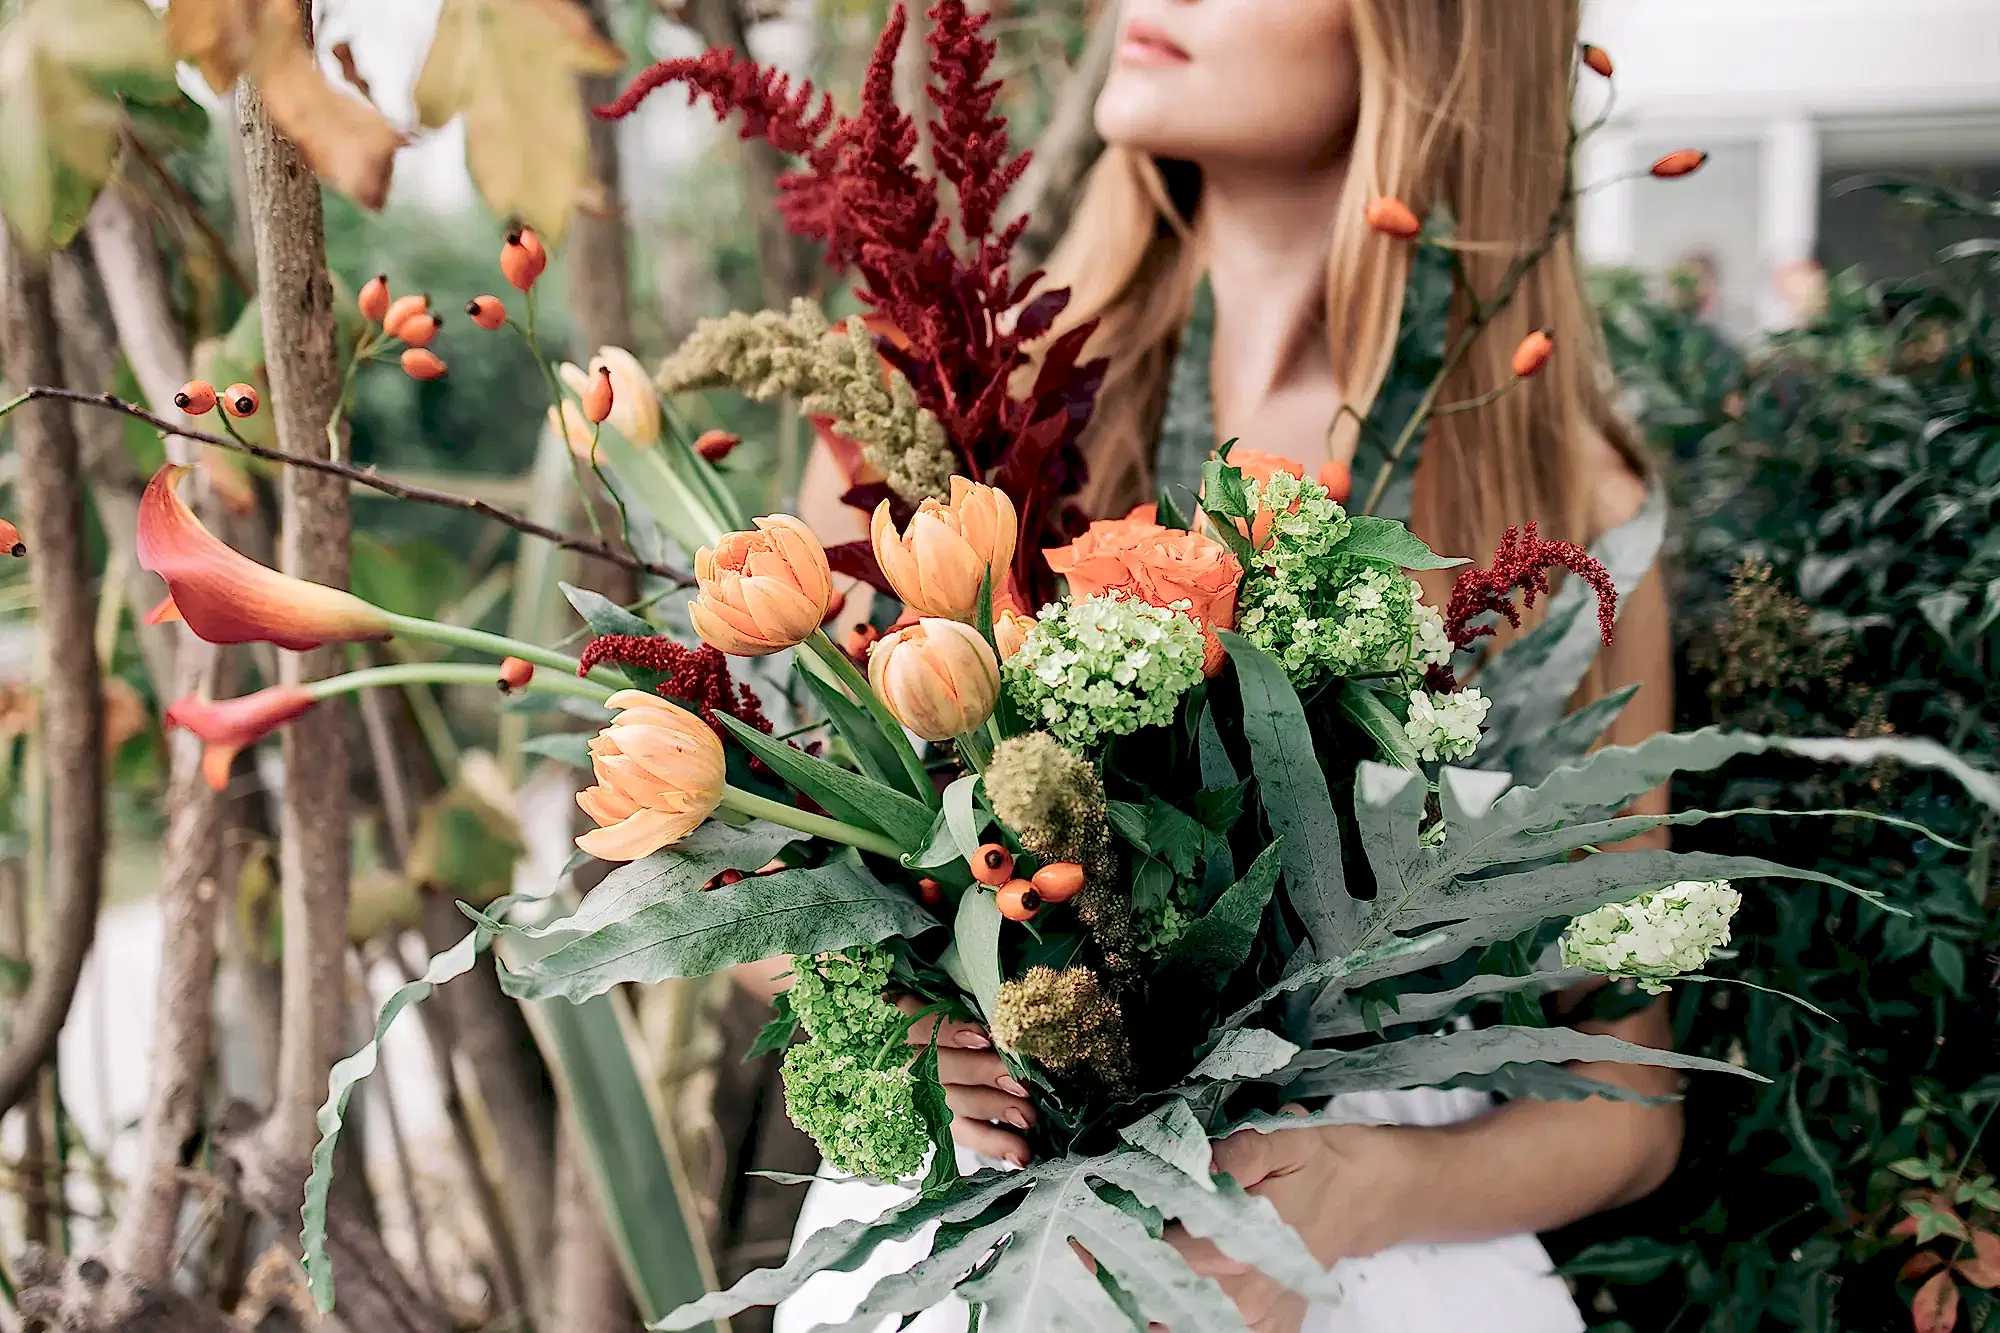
777,1034
976,937
1295,798
1363,706
1244,1053
692,933
903,819
1915,1168
931,1105
605,616
1634,1260
1414,366
568,747
1173,1135
1225,492
1167,512
671,872
1187,425
857,726
1388,542
961,817
1432,1061
1219,943
1342,1016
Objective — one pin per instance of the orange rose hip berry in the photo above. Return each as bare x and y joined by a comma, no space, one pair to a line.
993,865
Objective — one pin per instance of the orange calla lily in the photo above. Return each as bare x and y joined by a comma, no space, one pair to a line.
228,726
226,597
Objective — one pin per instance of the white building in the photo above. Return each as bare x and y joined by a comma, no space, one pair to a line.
1790,97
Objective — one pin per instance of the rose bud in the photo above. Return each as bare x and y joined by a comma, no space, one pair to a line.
1683,163
1533,353
929,892
226,597
373,302
660,773
196,398
938,677
229,726
10,540
1393,217
515,674
716,445
860,639
761,592
949,551
240,400
488,312
421,363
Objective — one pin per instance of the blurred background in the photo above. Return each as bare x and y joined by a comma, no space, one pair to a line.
1812,353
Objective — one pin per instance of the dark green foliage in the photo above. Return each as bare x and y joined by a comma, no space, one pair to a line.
1840,576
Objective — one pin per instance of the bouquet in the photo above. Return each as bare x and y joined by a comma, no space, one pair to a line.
1215,825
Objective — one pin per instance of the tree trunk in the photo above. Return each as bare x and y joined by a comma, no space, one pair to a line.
50,492
302,361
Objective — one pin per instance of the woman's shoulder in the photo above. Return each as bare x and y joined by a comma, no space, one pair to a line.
1615,484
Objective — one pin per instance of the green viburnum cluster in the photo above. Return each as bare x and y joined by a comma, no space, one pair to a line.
1321,613
1656,937
832,372
850,1087
1105,666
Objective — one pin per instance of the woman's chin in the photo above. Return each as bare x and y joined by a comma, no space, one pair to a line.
1139,111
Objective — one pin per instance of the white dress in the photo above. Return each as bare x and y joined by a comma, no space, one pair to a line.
1494,1286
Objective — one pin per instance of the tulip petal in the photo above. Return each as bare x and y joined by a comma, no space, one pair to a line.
165,613
639,836
226,597
606,805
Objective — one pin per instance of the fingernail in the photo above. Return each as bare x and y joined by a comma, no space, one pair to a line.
974,1041
1009,1084
1016,1117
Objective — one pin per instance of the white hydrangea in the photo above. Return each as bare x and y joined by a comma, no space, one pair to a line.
1655,937
1446,726
1429,644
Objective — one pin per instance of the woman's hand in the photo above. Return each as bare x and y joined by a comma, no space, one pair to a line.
982,1095
1339,1186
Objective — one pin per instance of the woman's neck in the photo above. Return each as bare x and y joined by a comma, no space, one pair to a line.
1266,235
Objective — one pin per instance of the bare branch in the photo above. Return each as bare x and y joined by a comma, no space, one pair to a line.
72,694
363,476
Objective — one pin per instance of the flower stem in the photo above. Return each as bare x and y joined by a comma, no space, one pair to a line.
562,417
972,748
824,648
819,826
452,673
497,645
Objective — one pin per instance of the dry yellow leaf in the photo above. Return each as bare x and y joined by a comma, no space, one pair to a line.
510,68
347,142
63,66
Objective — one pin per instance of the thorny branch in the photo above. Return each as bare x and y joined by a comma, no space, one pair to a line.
365,476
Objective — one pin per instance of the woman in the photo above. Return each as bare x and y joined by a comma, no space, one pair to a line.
1245,139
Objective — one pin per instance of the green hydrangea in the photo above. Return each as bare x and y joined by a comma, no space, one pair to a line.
1105,666
1318,612
850,1087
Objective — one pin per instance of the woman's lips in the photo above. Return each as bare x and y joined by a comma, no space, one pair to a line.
1145,44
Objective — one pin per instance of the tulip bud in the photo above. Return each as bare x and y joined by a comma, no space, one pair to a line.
1393,217
404,308
1533,353
761,592
196,398
1597,60
992,865
10,540
1018,901
1685,162
421,363
1010,631
1059,881
597,398
419,330
374,299
487,312
1338,479
240,400
716,445
515,674
660,772
938,677
522,258
949,551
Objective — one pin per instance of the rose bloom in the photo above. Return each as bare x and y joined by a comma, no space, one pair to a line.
1158,566
1260,467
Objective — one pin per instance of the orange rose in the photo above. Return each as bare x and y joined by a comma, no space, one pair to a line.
1159,566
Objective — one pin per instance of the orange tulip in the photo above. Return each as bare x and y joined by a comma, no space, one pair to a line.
1010,631
660,773
764,591
939,677
938,566
226,597
1393,217
229,726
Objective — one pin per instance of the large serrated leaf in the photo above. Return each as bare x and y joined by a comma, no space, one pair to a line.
1173,1134
693,932
1341,1016
1293,789
1244,1053
1433,1061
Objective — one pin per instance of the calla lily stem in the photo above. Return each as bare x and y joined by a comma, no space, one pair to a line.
496,645
824,648
453,673
819,826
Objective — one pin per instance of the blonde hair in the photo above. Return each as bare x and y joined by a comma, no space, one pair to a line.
1462,104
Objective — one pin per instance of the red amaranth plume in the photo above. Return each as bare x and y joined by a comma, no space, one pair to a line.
1522,564
698,677
964,324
